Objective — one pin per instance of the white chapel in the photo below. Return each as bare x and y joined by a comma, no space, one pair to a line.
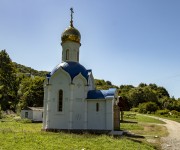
71,101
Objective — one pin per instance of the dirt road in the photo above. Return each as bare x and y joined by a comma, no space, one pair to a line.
172,141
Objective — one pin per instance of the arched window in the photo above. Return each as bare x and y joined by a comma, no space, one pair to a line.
77,55
60,105
67,54
97,107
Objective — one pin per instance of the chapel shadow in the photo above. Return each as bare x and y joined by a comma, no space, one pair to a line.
132,135
128,121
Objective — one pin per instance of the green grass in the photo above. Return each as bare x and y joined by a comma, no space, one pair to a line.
145,126
146,119
18,135
177,119
130,126
142,118
174,119
138,122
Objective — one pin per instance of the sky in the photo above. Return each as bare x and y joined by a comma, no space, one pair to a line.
127,42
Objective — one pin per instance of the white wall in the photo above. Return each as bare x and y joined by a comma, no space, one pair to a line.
73,114
34,115
96,120
37,115
54,118
73,51
78,109
30,114
109,114
91,82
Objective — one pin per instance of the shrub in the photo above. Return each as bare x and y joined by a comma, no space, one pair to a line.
135,109
164,112
23,120
175,113
142,108
0,115
147,107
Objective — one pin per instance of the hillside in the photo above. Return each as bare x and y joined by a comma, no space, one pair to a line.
28,70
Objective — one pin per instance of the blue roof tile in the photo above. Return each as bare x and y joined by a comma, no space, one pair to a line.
73,68
101,94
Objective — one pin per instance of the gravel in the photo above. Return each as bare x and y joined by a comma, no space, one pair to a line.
172,141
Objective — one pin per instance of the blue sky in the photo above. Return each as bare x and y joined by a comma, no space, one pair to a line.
123,41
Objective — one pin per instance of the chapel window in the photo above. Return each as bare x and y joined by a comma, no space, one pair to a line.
26,114
77,56
60,105
67,54
97,107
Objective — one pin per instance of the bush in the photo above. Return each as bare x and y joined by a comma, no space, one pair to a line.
135,109
164,112
0,114
23,120
142,108
147,107
175,113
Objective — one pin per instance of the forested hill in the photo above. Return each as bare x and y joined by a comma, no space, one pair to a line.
22,86
28,70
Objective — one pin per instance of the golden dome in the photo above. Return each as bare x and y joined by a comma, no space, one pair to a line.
71,34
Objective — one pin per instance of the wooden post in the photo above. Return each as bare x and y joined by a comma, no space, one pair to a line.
116,118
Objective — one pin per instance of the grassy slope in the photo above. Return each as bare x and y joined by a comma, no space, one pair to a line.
138,122
148,127
16,135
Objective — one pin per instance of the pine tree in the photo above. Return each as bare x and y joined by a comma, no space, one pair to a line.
8,82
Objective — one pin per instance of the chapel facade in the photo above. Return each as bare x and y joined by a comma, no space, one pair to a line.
71,101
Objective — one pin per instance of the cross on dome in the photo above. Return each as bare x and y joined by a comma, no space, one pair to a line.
71,33
71,22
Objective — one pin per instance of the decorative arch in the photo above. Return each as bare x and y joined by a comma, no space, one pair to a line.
60,70
81,77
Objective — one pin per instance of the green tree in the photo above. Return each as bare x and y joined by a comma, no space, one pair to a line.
109,83
101,84
8,82
31,92
142,85
140,95
21,69
136,96
124,89
160,91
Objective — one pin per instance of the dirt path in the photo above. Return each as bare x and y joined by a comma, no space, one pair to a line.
172,141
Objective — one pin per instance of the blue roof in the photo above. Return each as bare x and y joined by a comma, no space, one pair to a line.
73,68
101,94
